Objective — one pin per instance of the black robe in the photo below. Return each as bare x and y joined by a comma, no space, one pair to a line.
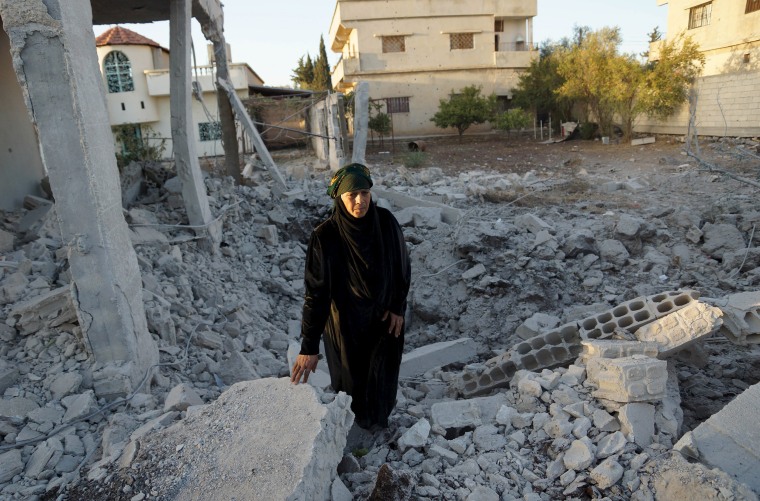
363,358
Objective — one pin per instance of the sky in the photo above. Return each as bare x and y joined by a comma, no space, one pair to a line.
272,35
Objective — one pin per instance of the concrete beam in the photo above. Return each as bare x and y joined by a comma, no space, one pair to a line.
53,51
258,143
185,156
335,120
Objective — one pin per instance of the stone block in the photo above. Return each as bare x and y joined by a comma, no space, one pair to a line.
536,324
637,422
497,374
741,317
628,316
533,224
550,349
8,376
461,413
421,360
16,407
628,379
682,328
416,436
6,241
607,473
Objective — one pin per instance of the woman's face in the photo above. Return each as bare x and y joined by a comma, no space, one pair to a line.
356,202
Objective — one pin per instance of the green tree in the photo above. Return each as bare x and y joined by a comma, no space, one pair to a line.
464,109
378,122
537,86
321,80
589,72
514,119
138,143
303,74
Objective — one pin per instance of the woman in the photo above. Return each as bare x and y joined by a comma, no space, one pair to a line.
357,278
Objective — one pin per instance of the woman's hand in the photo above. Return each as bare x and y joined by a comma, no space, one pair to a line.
396,323
304,364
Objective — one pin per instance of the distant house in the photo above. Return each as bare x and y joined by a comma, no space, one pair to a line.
414,53
136,75
728,34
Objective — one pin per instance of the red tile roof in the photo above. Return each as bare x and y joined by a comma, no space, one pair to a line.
122,36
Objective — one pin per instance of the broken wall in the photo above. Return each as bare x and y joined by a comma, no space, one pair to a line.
20,163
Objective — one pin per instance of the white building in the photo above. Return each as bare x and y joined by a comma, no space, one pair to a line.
136,75
728,35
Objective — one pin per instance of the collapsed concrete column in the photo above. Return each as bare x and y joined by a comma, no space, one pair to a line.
212,25
53,51
185,156
334,108
361,123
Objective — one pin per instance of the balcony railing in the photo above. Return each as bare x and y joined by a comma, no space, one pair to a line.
514,46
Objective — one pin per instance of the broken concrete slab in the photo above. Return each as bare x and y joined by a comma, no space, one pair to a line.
730,439
424,358
281,465
49,309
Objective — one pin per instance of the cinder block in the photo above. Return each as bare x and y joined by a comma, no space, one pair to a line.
628,316
628,379
741,317
612,348
422,359
682,328
666,303
551,349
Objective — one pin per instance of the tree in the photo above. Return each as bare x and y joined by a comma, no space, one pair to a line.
464,109
589,72
379,122
303,74
654,36
321,79
514,119
537,86
615,85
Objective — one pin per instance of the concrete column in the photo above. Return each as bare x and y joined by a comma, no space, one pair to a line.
53,50
333,107
361,123
212,25
183,136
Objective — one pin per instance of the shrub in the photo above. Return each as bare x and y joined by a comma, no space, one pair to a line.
414,159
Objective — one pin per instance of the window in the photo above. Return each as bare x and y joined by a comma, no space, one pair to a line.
210,131
700,15
752,6
458,41
118,72
397,105
396,43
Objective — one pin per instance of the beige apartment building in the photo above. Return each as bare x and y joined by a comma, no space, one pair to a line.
728,34
414,53
136,75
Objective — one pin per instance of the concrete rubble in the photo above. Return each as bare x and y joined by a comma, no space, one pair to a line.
546,358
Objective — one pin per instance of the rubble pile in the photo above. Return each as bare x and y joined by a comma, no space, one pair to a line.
494,273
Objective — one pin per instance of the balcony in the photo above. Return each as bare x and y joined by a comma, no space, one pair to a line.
514,54
345,67
158,80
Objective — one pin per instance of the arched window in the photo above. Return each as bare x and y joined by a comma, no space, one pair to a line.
118,72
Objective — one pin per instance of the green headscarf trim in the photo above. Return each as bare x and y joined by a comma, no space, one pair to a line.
352,177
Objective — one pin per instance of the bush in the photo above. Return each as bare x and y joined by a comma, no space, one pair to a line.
514,119
136,144
588,130
414,159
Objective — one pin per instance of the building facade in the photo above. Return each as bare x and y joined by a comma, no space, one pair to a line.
727,100
136,76
414,53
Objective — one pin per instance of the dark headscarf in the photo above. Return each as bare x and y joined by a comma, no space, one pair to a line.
361,237
352,177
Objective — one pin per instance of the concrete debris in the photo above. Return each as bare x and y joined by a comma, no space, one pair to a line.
550,353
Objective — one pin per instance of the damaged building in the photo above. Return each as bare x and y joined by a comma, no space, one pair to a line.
601,342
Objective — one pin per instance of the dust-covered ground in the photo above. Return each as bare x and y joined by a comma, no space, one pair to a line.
241,309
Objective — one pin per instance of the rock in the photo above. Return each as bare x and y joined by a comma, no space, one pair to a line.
10,465
391,484
78,405
181,397
721,238
65,384
614,252
580,455
416,436
637,422
16,407
607,473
